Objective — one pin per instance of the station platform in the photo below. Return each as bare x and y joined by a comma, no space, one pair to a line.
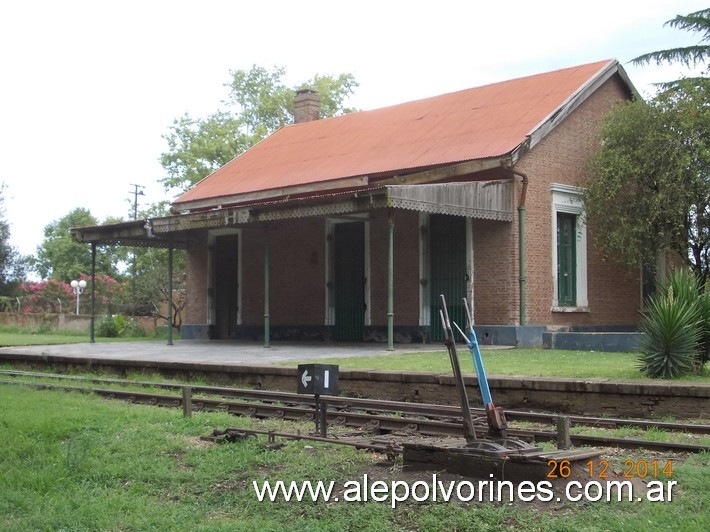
217,352
250,364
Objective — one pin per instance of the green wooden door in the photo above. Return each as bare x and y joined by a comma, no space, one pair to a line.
226,287
566,260
349,281
447,263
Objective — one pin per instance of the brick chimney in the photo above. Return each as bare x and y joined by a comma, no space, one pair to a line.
306,106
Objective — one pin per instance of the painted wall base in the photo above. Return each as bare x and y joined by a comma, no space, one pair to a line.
622,339
592,341
529,336
194,331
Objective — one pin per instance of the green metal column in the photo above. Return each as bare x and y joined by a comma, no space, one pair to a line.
170,295
521,261
390,282
522,265
267,339
93,293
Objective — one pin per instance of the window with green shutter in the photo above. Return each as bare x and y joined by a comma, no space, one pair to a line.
566,259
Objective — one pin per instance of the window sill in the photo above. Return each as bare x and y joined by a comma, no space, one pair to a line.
570,309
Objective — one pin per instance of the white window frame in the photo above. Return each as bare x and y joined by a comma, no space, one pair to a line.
568,199
329,295
424,288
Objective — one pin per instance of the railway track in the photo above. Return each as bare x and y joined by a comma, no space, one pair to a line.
379,417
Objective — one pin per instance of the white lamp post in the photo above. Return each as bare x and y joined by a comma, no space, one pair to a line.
78,287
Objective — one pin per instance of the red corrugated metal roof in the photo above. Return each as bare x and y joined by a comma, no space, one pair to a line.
477,123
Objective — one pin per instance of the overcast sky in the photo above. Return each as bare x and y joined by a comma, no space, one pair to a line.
88,88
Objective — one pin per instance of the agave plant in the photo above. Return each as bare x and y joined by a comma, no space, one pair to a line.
670,337
673,329
684,286
704,350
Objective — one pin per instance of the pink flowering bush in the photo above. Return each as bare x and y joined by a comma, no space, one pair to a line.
45,296
53,296
110,294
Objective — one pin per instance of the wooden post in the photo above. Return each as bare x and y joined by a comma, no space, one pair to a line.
186,401
563,436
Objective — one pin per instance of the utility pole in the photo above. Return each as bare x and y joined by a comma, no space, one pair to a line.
137,191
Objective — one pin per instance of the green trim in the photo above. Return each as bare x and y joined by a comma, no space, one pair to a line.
566,259
390,284
522,266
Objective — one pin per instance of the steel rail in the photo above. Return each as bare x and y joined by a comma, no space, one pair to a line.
377,423
267,410
399,407
388,448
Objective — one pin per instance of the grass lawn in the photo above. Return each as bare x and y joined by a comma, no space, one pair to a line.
13,336
19,339
71,461
524,362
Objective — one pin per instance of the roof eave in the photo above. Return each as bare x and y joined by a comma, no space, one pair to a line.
541,130
269,194
428,175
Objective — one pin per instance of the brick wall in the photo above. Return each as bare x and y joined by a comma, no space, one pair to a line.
297,273
196,281
495,267
561,158
406,268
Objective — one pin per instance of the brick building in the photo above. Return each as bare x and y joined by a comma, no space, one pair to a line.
348,228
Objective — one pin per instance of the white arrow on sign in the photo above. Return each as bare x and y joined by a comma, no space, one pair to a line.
305,379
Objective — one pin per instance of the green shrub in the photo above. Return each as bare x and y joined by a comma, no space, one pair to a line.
675,329
107,327
45,326
8,304
118,325
133,329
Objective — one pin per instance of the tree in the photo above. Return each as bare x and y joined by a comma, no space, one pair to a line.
199,146
258,104
12,264
151,281
62,258
152,284
649,186
698,21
